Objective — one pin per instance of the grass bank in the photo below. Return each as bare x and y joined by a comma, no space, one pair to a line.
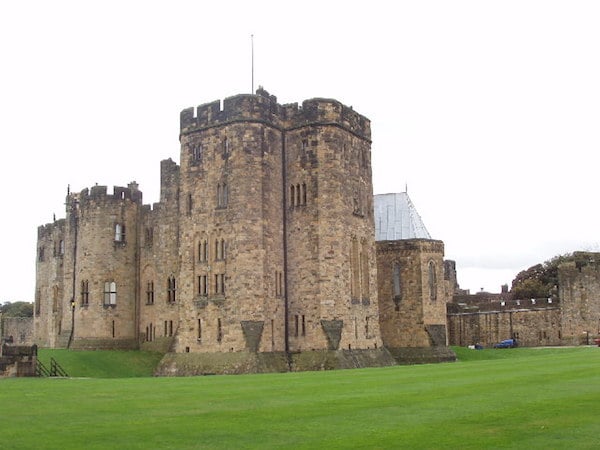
102,364
521,398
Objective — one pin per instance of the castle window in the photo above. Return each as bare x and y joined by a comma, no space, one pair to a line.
149,236
364,263
171,289
119,232
278,283
203,251
219,250
396,285
354,270
226,148
219,283
110,293
196,153
199,329
41,254
202,285
150,293
298,194
432,282
219,331
296,323
190,204
61,247
303,325
222,195
303,194
85,293
150,333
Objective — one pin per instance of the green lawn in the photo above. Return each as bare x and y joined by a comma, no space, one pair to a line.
102,364
517,398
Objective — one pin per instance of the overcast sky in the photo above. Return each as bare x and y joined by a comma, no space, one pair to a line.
488,111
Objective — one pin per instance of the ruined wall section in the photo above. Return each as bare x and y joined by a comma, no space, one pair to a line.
160,262
49,290
331,257
103,238
579,292
231,226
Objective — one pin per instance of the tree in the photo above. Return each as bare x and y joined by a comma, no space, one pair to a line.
17,309
541,280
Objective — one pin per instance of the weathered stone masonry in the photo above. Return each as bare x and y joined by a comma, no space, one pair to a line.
263,241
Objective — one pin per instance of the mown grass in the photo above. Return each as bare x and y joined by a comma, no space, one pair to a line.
102,364
520,398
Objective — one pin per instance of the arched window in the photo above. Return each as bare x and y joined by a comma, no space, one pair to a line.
432,282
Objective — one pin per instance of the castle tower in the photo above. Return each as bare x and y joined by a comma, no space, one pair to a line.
277,230
231,236
49,303
330,229
86,293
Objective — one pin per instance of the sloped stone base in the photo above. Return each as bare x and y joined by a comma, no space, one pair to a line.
104,344
189,364
422,355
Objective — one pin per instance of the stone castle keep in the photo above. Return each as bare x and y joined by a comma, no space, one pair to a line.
262,243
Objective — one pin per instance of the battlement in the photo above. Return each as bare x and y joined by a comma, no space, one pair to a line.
100,193
263,107
48,229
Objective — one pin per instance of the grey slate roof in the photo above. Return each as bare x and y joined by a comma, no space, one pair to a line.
397,218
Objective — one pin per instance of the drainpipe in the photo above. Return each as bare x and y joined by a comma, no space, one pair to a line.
75,220
285,253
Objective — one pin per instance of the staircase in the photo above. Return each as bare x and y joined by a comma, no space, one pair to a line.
55,370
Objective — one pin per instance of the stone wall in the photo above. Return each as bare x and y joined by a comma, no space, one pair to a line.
412,293
532,327
20,329
579,291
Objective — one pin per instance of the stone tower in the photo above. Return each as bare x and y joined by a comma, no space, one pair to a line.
276,227
86,294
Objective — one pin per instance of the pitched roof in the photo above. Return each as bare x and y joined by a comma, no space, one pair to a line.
397,218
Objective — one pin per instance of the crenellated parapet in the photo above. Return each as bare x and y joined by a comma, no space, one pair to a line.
263,107
99,194
325,111
50,229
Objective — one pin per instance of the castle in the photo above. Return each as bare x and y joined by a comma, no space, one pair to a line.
260,254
